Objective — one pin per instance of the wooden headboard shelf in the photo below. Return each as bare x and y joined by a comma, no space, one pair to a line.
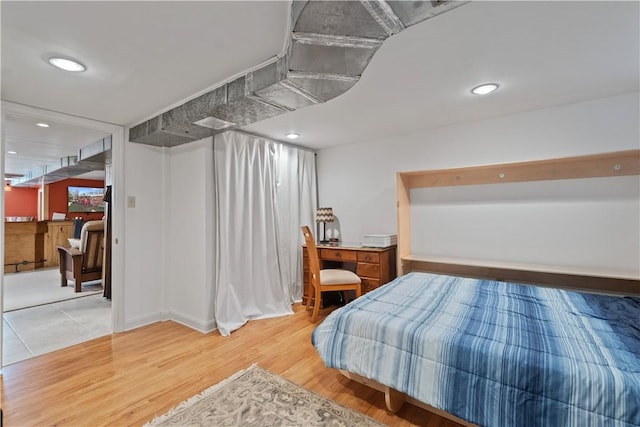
573,280
622,163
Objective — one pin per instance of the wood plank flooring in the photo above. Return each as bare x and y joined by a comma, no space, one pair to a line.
127,379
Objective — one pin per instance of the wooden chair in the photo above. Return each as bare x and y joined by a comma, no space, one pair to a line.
83,261
327,279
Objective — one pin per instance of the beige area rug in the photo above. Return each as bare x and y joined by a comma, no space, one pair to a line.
38,287
256,397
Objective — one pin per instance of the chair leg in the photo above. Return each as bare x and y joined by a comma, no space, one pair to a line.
63,273
317,301
77,273
308,306
316,311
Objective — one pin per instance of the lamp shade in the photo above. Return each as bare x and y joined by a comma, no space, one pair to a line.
324,215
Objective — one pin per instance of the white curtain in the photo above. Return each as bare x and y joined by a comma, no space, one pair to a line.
296,200
264,192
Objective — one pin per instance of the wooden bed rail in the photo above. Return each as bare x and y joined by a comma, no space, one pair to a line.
582,282
394,399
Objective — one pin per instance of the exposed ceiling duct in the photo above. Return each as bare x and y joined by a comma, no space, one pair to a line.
90,158
331,44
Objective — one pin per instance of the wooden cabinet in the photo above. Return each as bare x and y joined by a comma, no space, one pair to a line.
374,266
58,233
23,245
32,245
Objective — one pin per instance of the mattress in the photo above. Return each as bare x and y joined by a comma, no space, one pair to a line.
494,353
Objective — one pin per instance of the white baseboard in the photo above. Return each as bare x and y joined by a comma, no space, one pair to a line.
183,319
139,321
191,322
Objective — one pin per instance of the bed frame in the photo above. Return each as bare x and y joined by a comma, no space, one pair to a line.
623,163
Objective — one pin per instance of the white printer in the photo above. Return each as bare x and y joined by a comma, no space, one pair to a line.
379,240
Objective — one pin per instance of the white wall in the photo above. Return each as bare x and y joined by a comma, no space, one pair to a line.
169,245
143,224
585,225
189,235
359,180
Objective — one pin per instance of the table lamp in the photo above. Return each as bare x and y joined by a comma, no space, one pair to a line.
324,215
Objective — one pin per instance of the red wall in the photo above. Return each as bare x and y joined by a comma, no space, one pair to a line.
21,201
58,198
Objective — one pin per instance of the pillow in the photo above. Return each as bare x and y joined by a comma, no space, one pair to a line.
75,243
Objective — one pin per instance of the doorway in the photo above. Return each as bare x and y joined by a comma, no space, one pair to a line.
115,178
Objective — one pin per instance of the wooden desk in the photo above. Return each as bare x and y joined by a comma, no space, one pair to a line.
374,266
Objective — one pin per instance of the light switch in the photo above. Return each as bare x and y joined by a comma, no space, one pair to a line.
131,201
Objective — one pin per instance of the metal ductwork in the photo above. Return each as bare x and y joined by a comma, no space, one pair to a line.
90,158
331,44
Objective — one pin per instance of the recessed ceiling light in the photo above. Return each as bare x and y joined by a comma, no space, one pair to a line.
484,89
67,64
43,125
12,152
292,135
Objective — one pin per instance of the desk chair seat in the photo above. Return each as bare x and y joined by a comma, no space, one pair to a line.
327,279
336,276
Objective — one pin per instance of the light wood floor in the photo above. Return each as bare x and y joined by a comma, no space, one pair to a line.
129,378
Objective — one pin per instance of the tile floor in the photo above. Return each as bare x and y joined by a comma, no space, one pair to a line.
34,331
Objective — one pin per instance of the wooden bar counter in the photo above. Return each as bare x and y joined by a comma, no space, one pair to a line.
57,234
24,245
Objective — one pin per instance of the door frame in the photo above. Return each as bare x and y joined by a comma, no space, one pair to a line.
117,164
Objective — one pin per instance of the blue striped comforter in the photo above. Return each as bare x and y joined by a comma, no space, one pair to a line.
494,353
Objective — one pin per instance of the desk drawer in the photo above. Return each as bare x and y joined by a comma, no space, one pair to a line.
369,285
338,255
373,257
368,270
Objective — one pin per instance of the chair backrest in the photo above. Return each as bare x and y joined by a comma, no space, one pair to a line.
97,225
312,251
94,251
92,244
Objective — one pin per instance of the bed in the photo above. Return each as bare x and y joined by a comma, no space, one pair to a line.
494,353
497,344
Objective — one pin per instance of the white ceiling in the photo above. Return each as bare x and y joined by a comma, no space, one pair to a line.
36,146
541,53
141,57
144,57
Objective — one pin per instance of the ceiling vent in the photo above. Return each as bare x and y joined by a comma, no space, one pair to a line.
215,124
331,44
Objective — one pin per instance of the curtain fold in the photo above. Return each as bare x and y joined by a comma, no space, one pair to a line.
264,192
296,198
